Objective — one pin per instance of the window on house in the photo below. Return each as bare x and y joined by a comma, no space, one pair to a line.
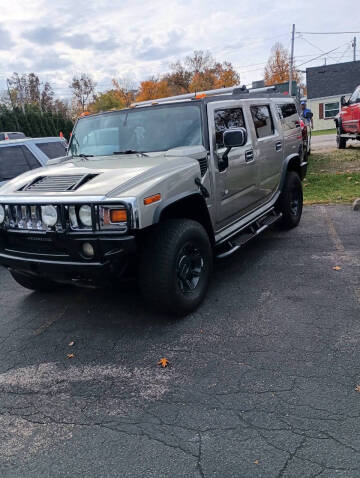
331,109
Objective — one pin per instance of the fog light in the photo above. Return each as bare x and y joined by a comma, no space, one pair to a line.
88,250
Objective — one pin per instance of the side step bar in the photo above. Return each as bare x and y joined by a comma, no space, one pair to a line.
251,231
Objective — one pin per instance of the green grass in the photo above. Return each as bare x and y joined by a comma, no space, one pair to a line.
323,131
333,177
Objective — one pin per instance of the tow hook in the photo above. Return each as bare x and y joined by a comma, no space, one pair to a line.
202,188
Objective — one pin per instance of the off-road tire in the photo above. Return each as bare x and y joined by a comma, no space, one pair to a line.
340,142
291,201
34,283
170,251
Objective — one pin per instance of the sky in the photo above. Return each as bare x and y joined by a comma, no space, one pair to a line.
135,39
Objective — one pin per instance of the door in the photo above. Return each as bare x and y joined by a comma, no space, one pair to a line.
269,146
350,114
236,186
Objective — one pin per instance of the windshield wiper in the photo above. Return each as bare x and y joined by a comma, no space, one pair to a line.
130,151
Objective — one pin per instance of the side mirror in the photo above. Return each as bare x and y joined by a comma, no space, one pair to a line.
232,138
343,101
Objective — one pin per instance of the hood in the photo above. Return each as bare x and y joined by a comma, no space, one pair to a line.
105,176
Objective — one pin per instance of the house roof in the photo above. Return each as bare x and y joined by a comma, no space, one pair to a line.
331,80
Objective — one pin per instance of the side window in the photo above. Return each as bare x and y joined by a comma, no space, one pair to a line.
355,97
227,119
12,162
288,115
52,150
33,162
263,121
2,136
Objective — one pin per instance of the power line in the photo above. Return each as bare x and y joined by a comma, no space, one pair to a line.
325,33
323,54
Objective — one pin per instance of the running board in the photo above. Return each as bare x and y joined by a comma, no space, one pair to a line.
251,231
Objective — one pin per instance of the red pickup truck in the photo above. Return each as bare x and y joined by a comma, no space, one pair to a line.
348,119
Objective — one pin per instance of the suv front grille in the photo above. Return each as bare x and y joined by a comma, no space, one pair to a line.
69,182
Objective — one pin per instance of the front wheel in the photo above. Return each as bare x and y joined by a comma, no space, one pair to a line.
33,282
175,266
340,142
291,201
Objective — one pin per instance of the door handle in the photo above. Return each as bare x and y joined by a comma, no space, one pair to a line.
249,155
278,145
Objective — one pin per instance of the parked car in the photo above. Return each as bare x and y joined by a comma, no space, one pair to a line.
6,135
20,155
347,121
157,189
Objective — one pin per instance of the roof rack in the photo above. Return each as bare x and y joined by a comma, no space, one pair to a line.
233,90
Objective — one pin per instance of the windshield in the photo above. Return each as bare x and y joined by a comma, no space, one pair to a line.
143,130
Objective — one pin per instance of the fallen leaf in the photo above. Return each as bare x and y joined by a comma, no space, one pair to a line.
350,177
256,462
357,388
70,356
336,268
163,362
71,343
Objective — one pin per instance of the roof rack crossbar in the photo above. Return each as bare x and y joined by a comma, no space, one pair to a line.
219,91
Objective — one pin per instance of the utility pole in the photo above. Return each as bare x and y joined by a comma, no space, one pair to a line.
291,59
354,47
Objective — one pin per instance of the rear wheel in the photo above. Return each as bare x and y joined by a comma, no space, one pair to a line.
340,142
291,201
175,266
34,282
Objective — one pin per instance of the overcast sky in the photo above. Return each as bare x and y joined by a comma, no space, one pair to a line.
139,38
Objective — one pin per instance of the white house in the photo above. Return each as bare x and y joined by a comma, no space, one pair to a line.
325,86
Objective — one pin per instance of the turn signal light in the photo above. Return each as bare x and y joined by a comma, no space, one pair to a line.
118,215
200,95
151,199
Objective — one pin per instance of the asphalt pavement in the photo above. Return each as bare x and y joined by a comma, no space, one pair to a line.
261,383
323,142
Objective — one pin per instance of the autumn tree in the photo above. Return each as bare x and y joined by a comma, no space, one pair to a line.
106,101
29,90
153,88
83,89
124,90
277,69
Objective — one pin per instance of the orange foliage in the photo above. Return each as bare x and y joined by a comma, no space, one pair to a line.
154,88
278,66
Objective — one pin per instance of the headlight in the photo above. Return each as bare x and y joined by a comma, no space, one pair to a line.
49,215
85,216
2,214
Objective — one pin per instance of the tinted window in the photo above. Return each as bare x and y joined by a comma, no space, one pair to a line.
263,122
16,135
288,115
227,119
2,136
32,161
55,149
12,162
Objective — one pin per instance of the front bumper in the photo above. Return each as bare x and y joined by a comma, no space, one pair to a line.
59,256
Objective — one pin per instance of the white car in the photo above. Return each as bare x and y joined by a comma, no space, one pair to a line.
20,155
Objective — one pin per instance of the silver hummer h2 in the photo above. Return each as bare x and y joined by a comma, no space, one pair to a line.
159,188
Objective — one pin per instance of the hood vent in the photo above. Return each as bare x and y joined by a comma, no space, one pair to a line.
69,182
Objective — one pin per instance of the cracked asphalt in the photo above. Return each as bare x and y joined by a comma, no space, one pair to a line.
261,381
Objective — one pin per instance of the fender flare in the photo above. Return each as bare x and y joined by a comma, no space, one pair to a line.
285,168
168,202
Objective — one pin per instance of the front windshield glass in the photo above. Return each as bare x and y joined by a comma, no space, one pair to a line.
144,130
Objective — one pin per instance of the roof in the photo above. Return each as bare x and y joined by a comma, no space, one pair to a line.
43,139
332,80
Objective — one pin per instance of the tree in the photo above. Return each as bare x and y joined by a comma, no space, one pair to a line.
124,90
47,97
106,101
277,69
153,88
83,89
